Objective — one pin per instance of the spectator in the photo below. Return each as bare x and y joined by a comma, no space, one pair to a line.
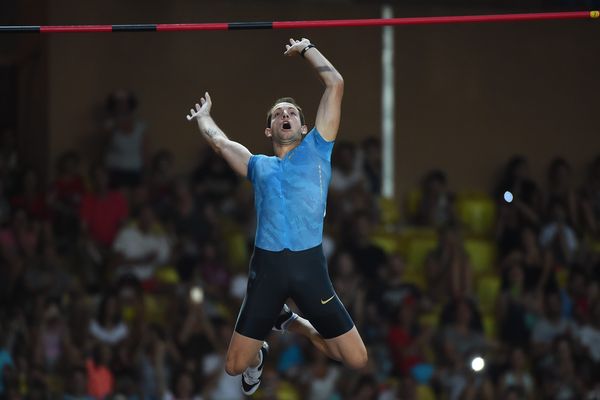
184,389
102,211
67,192
348,285
537,263
190,223
590,199
448,270
526,195
558,236
392,290
321,377
77,386
436,207
141,247
107,328
369,258
31,197
407,339
517,376
513,310
213,179
347,172
100,379
549,327
127,149
561,190
459,339
162,182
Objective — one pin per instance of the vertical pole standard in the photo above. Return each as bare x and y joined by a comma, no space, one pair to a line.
388,104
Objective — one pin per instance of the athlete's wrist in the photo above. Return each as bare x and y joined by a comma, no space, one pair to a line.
308,47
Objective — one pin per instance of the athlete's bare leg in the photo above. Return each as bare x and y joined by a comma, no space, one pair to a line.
347,348
241,354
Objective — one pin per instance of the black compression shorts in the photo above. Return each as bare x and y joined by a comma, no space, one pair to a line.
302,276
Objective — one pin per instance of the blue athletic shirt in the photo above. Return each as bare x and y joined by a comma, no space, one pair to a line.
290,195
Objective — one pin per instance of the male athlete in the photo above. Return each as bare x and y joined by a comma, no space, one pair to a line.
290,196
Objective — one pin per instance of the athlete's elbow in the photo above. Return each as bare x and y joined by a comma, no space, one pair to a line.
337,82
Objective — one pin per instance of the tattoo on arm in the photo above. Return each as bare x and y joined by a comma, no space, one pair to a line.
211,133
323,68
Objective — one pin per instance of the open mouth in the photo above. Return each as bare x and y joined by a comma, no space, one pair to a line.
286,125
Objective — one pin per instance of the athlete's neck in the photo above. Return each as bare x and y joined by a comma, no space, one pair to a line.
282,147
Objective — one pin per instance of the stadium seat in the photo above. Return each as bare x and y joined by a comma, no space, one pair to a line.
482,255
418,249
489,325
487,289
413,199
477,213
389,211
389,242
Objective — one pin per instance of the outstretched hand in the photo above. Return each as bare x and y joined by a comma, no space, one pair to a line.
202,109
296,46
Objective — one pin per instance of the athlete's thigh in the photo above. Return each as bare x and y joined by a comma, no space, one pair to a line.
265,294
349,346
314,294
243,349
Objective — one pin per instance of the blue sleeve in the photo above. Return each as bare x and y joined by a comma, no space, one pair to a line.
251,166
323,147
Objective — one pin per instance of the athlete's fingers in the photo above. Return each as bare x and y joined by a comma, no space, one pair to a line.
202,101
207,96
292,41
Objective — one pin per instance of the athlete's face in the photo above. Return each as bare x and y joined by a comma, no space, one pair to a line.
286,126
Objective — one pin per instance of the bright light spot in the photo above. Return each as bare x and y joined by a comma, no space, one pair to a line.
508,196
477,364
197,294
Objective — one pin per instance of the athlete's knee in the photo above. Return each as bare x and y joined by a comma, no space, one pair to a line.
357,359
234,365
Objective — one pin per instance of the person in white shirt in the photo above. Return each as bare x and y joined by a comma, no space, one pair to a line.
141,247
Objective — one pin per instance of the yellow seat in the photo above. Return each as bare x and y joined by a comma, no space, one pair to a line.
389,212
429,320
237,249
418,249
425,393
413,199
482,255
489,325
417,278
387,241
487,289
477,213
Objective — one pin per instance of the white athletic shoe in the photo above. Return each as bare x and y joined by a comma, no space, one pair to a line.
251,377
285,318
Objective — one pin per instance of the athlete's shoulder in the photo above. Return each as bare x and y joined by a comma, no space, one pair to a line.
319,143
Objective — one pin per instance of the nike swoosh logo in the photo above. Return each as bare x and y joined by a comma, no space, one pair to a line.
328,300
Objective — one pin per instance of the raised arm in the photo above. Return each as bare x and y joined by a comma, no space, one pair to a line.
330,107
236,155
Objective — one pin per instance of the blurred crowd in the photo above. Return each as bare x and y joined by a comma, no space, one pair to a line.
124,281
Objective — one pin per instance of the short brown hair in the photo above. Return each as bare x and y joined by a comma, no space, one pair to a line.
284,100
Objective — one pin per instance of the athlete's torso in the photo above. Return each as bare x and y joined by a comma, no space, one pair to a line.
291,194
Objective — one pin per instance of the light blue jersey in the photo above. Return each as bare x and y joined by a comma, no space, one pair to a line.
290,195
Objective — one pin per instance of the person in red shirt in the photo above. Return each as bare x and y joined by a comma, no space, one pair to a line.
102,213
